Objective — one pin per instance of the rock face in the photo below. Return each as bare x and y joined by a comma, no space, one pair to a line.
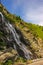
12,38
20,36
7,54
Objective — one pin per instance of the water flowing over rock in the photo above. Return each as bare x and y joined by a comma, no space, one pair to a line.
11,35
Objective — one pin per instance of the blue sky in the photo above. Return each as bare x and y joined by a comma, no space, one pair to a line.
28,10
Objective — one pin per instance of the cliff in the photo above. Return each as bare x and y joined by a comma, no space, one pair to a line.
31,36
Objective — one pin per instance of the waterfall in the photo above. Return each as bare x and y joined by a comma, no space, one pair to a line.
16,37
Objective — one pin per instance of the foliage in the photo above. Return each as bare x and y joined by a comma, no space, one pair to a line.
35,30
9,62
20,59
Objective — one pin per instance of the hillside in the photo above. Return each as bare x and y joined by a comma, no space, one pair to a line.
31,35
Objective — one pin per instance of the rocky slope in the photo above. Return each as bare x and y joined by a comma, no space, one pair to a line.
31,36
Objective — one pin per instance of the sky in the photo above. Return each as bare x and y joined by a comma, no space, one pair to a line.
29,10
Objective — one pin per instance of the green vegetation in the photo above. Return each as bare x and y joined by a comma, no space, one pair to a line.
32,32
9,62
20,59
35,29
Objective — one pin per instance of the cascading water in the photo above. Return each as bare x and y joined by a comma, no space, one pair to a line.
16,37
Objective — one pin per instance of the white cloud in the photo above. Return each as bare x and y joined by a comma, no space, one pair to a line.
34,14
17,3
31,10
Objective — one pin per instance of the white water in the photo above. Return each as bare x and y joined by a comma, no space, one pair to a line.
16,37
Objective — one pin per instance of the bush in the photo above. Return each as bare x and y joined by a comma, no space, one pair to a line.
9,62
